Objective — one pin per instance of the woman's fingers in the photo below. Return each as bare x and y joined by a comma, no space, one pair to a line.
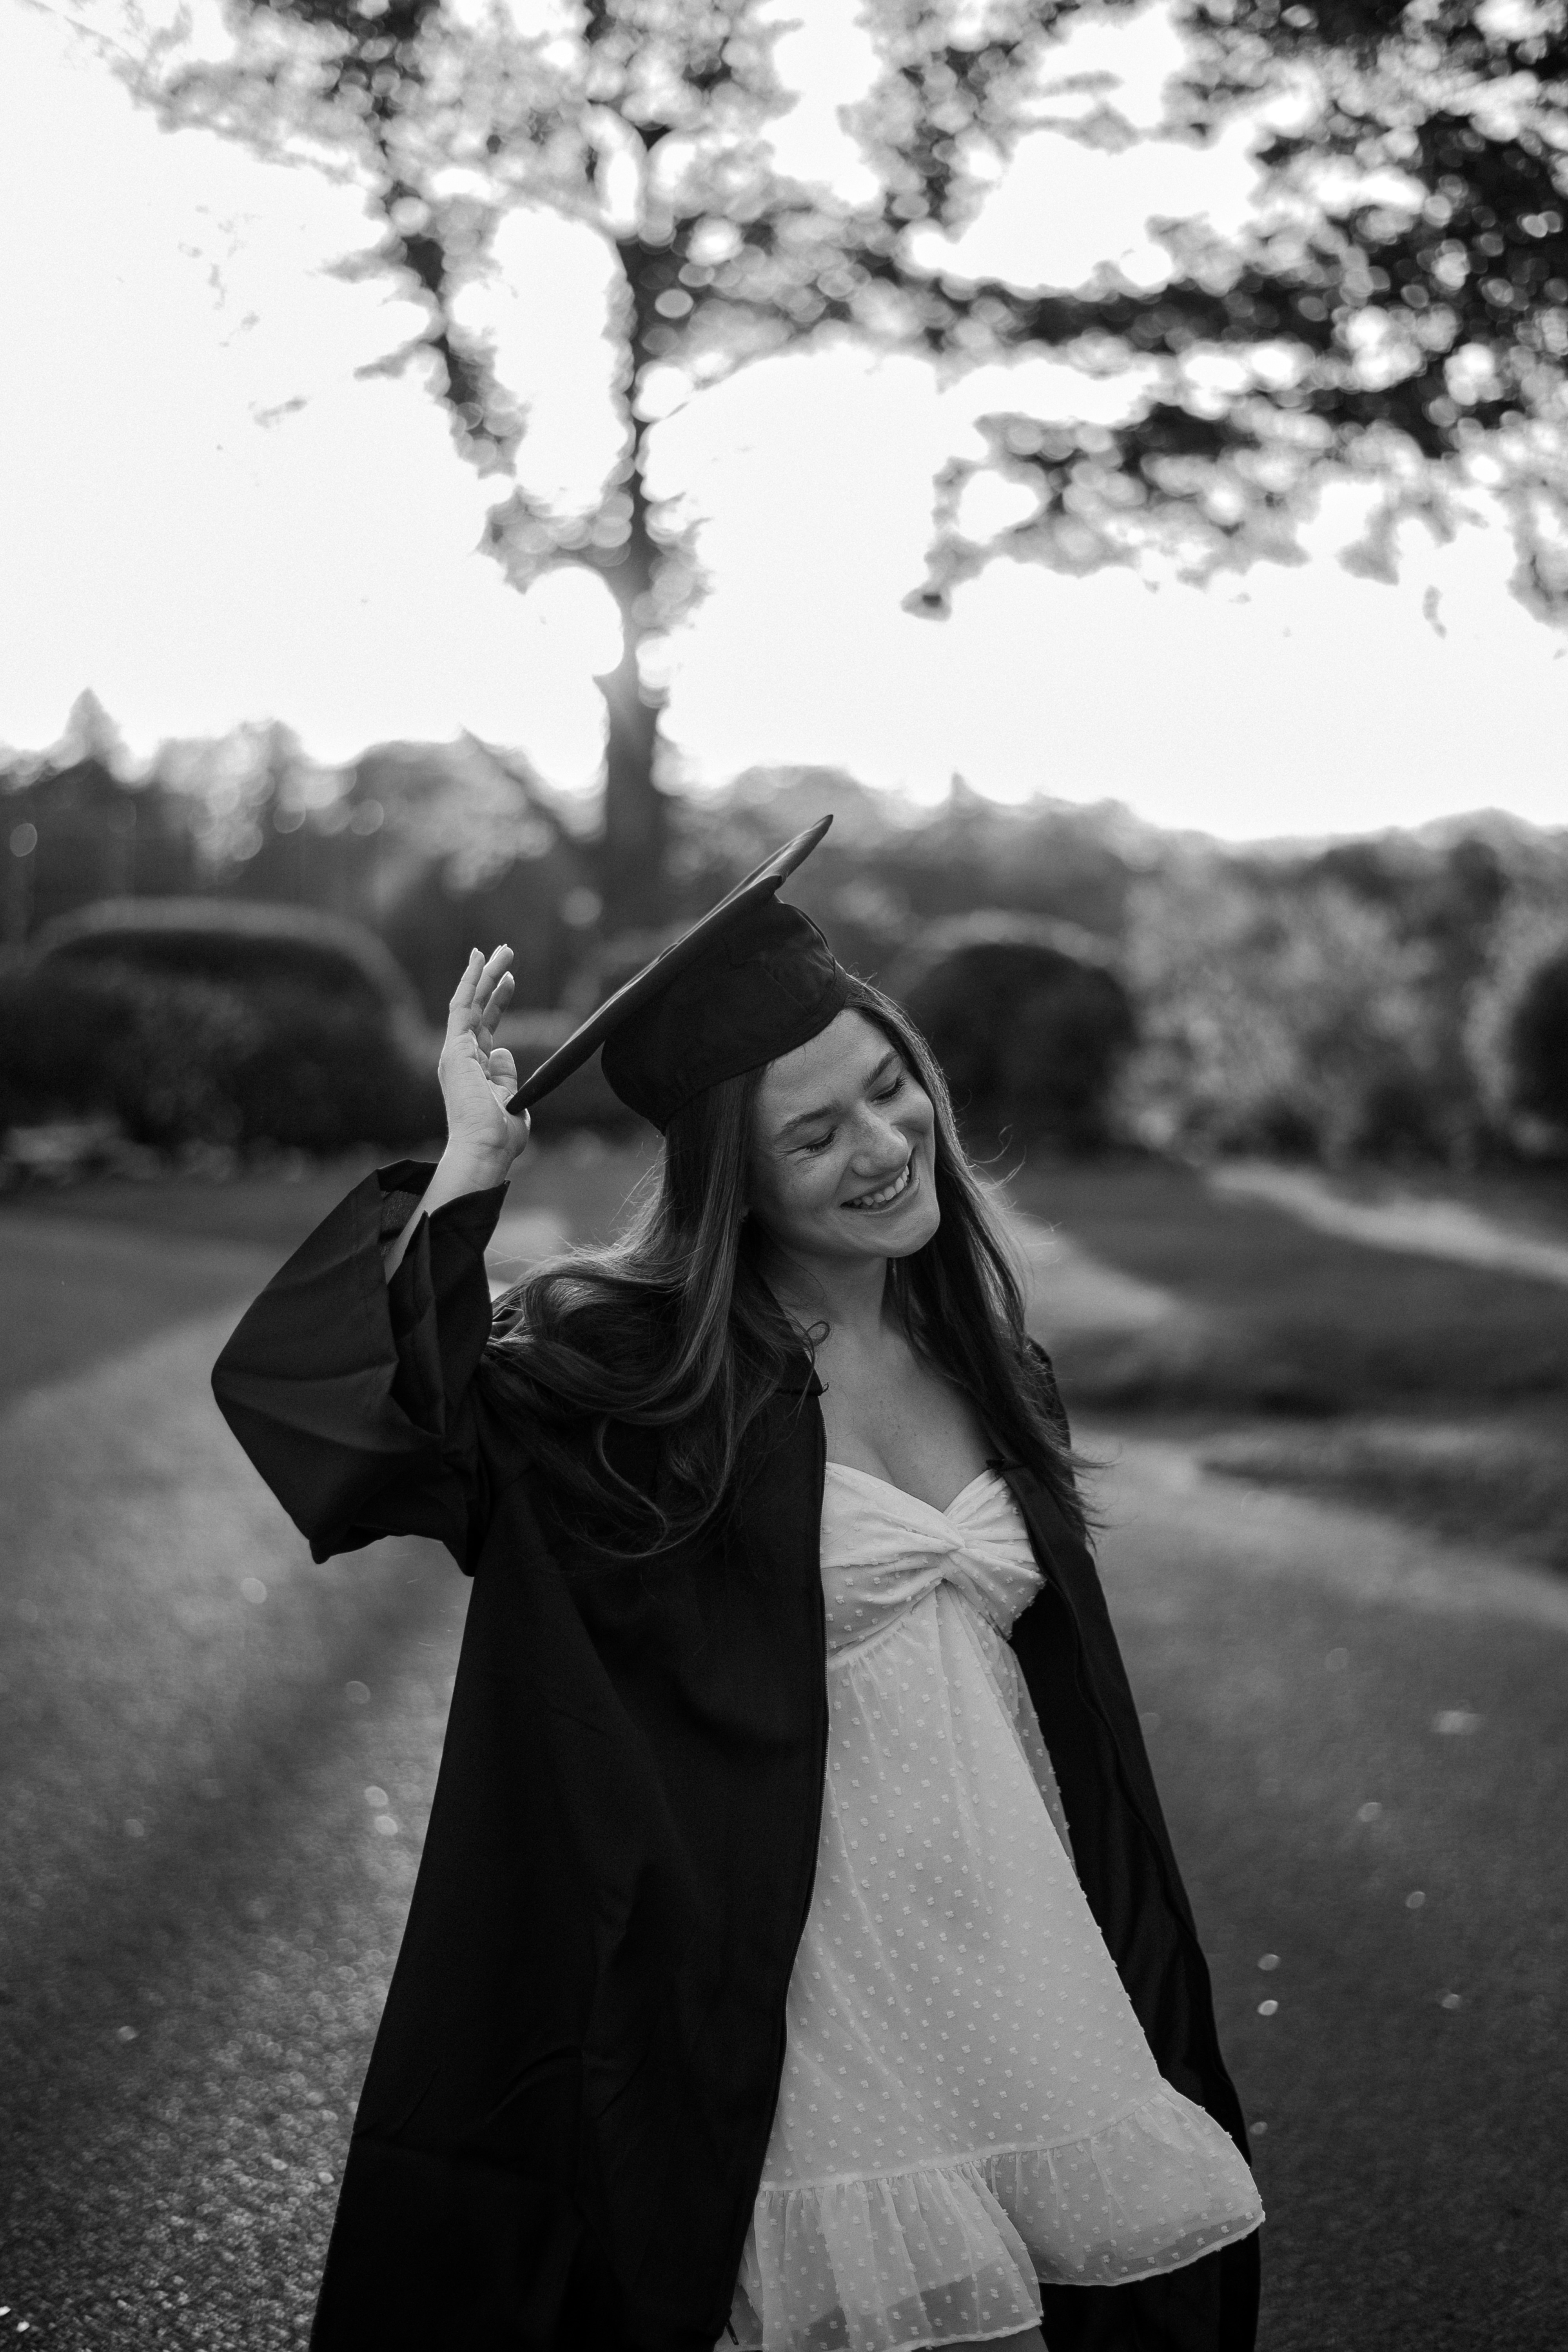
489,993
474,991
492,1001
464,991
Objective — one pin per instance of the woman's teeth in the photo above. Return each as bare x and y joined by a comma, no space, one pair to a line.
888,1192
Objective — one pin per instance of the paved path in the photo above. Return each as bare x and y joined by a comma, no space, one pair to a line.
1405,1221
217,1763
1362,1745
198,1905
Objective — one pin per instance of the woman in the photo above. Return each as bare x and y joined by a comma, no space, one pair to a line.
769,1979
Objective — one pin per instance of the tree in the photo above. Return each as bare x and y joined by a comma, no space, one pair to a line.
645,119
1394,307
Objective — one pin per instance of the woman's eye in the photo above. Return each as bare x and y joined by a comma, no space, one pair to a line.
818,1142
890,1090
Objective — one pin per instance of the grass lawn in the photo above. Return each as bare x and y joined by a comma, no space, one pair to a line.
1434,1391
1501,1479
1289,1357
1291,1320
579,1176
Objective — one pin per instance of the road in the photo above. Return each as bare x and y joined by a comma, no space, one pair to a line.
217,1760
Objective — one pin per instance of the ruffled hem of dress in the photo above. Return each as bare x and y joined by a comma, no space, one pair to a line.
950,2253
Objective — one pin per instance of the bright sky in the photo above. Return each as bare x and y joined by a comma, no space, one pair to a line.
208,514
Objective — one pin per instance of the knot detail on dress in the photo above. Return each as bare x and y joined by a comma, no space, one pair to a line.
883,1550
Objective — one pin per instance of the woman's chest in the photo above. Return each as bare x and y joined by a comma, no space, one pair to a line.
894,1418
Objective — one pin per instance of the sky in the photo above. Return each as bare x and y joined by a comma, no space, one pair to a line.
213,508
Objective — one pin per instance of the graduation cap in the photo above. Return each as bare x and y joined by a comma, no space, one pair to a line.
749,982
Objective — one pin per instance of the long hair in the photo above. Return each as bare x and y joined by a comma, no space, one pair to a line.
670,1328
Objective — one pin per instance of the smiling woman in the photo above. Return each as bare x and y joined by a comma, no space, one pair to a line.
798,1960
845,1190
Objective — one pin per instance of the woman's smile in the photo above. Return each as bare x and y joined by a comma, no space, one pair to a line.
889,1193
842,1167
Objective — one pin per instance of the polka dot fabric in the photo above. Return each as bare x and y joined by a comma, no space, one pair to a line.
968,2102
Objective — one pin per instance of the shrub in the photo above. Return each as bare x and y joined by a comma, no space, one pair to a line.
1517,1033
1292,1021
320,1073
181,1060
1030,1024
1538,1044
236,943
152,1053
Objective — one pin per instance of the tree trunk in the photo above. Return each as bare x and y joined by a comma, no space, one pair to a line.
633,842
636,832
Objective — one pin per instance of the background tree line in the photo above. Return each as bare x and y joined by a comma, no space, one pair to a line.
1089,979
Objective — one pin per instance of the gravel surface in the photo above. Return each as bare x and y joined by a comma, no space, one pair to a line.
218,1759
1361,1742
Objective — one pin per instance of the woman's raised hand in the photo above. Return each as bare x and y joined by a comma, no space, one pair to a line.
477,1077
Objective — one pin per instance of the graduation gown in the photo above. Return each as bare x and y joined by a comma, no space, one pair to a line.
563,2122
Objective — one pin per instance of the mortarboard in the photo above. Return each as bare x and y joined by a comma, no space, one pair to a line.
751,979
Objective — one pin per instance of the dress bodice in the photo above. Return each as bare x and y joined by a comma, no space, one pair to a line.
883,1550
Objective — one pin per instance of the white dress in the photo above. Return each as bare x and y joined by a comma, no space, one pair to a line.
968,2102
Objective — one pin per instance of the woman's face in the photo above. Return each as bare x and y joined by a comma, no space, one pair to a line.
843,1164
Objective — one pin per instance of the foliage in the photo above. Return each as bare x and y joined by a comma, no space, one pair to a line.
1030,1025
1393,306
886,869
644,122
179,1060
153,1053
1393,301
321,1072
1538,1044
240,944
473,850
1278,1019
1356,999
76,831
1343,1001
1516,1034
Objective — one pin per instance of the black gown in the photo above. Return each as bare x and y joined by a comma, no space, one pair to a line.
562,2125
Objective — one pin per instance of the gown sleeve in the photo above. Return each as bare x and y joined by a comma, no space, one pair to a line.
355,1397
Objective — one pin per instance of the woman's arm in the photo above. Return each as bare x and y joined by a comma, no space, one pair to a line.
478,1080
350,1382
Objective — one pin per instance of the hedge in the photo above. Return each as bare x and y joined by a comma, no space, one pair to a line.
1538,1044
178,1060
1031,1026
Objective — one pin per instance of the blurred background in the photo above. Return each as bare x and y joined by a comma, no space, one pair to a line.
478,472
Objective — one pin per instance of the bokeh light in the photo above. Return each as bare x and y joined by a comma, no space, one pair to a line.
578,617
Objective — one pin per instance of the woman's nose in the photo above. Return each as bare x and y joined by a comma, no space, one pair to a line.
881,1147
